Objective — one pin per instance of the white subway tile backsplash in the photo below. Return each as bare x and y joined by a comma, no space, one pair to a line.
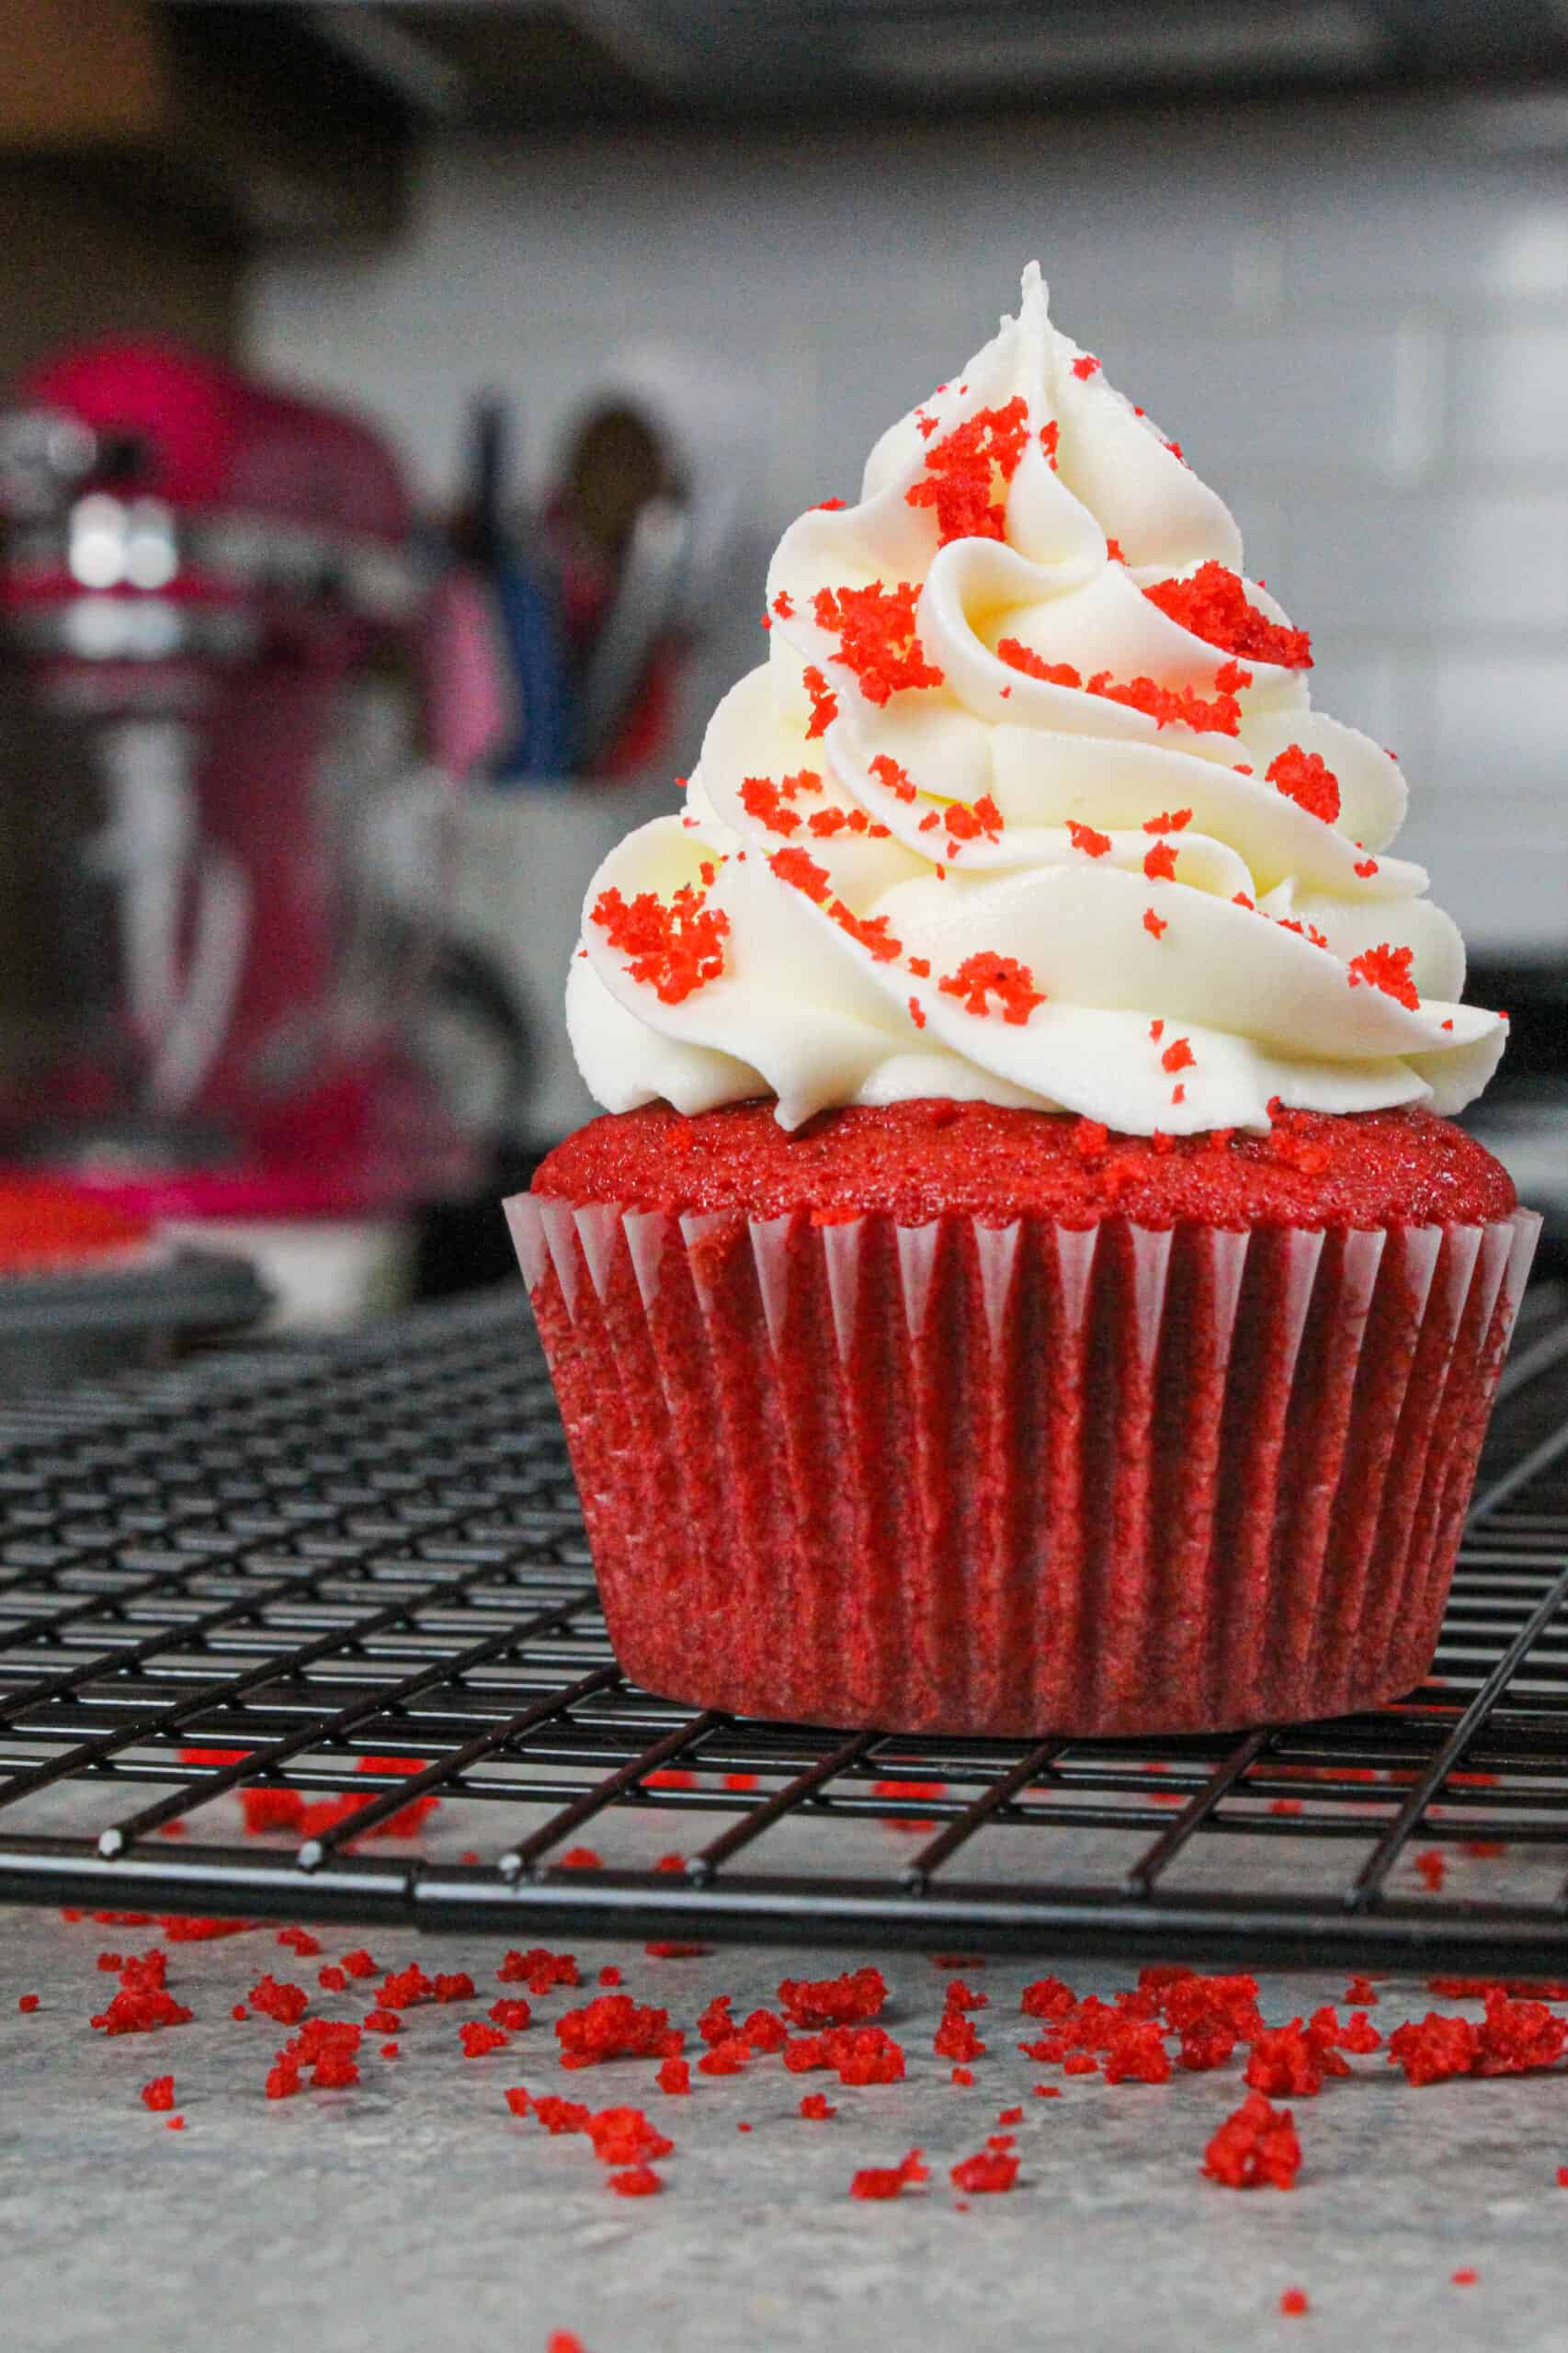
1398,205
1501,725
1498,869
1427,560
1363,689
1509,396
1345,400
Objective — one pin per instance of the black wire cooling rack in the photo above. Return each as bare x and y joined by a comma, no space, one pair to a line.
315,1556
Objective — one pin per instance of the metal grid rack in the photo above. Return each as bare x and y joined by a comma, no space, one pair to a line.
326,1554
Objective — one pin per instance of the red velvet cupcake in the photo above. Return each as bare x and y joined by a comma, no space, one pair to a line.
946,1417
1026,1283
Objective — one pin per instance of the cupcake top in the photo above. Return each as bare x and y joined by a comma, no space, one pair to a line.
1027,804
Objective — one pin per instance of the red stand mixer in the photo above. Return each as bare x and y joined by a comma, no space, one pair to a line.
222,846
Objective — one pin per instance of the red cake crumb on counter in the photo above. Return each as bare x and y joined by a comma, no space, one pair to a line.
539,1970
613,2026
834,2001
640,2181
1254,2148
888,2181
956,2038
990,2171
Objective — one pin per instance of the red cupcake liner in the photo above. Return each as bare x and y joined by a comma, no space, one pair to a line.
1020,1479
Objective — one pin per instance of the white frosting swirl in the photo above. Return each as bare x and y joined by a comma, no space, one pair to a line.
1014,835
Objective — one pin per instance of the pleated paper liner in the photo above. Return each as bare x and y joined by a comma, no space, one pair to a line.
1020,1479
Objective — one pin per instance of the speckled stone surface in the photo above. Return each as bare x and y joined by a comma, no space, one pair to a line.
415,2213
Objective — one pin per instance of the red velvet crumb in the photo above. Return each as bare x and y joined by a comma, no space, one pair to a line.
539,1970
140,2011
983,975
1304,778
1214,605
674,949
875,627
1387,968
834,2001
990,2171
887,2181
613,2026
1254,2148
960,467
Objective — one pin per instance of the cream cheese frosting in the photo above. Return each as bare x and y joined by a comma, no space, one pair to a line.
1027,803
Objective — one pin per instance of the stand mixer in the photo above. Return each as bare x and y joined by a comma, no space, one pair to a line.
223,823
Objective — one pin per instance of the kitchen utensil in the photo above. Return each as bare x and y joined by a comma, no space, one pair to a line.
646,600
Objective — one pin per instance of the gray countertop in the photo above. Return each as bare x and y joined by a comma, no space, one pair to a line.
414,2212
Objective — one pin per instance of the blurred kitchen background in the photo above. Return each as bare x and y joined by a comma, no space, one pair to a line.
336,702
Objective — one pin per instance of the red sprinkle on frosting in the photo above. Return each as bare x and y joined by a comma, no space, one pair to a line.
961,468
1387,968
982,976
867,932
888,771
875,627
1214,605
1304,778
672,947
1164,705
824,702
800,871
1084,837
762,799
984,820
1154,925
